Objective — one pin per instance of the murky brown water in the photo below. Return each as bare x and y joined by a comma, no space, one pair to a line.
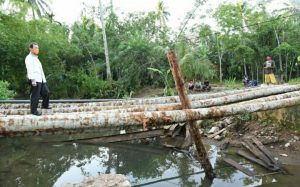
32,163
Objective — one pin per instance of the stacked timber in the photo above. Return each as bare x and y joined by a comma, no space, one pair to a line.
150,112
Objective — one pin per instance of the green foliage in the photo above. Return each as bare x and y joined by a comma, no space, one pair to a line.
245,116
232,83
168,90
5,92
74,62
83,85
194,63
294,81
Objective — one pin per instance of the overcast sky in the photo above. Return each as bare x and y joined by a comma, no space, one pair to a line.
68,11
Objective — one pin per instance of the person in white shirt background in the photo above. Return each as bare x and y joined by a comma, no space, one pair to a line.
37,80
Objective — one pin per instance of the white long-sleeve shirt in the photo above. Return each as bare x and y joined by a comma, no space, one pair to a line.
34,68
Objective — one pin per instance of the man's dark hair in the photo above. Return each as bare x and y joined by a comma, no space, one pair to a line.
32,44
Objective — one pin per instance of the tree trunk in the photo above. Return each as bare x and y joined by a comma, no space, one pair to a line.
280,57
257,72
220,56
245,68
286,67
108,72
220,64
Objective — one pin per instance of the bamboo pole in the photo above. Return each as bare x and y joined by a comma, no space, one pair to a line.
185,102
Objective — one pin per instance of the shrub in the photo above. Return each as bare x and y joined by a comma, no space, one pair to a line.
5,93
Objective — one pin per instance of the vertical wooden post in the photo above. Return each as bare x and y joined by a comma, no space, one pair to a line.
185,102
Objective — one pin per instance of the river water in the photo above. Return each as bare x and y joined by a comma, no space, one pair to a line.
43,161
35,162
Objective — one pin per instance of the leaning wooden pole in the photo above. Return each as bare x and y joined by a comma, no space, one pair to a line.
185,102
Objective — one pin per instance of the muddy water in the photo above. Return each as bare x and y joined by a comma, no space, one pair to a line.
32,162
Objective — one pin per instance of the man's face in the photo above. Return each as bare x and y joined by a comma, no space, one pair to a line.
35,49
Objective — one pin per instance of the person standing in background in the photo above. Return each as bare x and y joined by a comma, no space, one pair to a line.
269,67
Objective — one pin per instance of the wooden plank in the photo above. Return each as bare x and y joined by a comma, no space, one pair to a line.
239,167
265,151
253,149
255,160
121,137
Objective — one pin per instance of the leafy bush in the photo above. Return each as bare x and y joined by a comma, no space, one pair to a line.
85,86
5,93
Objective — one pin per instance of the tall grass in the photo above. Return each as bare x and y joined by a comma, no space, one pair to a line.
233,84
295,81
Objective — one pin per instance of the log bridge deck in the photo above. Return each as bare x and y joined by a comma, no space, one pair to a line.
16,120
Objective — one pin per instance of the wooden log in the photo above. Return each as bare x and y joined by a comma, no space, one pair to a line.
265,151
239,167
255,151
163,107
185,102
151,101
255,160
18,125
120,137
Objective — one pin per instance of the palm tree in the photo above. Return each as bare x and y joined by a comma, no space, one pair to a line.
39,8
162,14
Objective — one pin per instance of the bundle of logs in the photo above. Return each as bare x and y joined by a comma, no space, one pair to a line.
15,119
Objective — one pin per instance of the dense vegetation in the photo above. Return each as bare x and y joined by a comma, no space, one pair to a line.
74,57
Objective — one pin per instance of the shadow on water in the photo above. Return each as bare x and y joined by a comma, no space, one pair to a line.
30,162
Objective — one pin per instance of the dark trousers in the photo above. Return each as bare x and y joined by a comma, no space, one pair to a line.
41,89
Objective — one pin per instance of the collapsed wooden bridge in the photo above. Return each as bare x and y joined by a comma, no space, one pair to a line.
143,113
150,113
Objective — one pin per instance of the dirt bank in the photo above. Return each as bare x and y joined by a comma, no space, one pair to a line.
284,143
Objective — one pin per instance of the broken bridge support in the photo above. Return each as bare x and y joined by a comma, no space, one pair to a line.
185,102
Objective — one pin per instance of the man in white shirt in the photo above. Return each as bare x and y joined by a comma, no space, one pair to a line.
37,80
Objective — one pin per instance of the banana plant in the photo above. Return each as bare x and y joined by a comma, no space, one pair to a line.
168,90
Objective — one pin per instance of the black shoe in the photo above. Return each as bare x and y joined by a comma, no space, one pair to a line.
46,108
36,113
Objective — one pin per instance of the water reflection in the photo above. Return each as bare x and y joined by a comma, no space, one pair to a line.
29,162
